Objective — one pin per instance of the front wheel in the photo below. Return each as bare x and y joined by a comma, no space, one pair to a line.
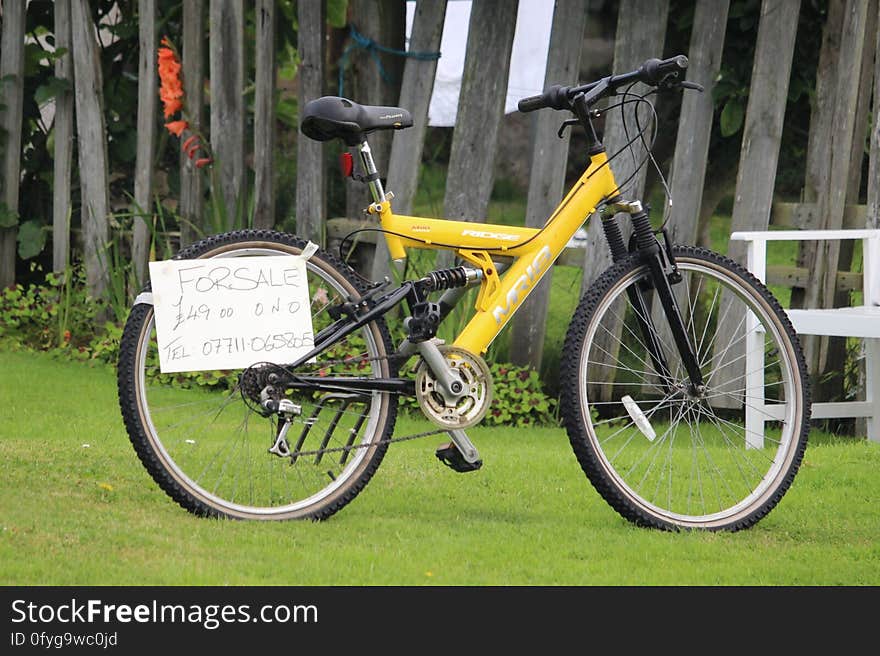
661,452
199,435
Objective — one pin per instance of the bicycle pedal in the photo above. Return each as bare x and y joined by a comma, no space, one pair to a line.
450,456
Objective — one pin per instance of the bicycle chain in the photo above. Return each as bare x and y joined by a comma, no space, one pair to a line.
389,440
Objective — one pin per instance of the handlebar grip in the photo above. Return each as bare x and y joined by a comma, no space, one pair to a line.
531,103
654,70
555,97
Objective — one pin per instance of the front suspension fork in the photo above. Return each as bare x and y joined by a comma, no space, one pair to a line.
661,266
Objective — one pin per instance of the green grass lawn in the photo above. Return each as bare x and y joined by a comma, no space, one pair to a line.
77,508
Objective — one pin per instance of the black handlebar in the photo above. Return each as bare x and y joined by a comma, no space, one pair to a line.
556,97
653,72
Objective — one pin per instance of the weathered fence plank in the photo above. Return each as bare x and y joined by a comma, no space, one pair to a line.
146,138
547,174
63,157
415,95
641,30
819,136
12,88
872,219
193,65
832,192
227,108
765,111
873,200
92,141
862,120
384,23
264,116
695,122
833,350
311,206
480,110
762,134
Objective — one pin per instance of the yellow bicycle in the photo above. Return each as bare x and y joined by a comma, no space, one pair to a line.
653,390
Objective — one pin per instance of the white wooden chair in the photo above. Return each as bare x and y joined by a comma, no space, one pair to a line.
861,321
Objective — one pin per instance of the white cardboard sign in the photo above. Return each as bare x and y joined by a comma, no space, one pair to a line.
230,313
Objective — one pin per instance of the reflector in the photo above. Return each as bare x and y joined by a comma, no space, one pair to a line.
346,164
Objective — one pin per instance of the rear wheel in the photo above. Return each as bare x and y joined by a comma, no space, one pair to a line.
662,454
206,445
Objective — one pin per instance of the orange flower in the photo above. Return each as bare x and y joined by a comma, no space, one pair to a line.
171,89
192,150
171,93
176,127
172,106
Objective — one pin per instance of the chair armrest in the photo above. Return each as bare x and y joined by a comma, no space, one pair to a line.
802,235
756,252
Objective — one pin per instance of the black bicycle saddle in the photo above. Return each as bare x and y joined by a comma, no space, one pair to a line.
332,117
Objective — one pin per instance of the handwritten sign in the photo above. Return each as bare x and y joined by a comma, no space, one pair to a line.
229,313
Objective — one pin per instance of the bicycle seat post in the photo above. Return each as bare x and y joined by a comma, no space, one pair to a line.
372,175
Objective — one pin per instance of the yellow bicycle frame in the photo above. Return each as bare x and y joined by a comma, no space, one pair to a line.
534,249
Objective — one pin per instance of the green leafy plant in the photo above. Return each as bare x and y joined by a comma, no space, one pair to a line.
519,398
57,314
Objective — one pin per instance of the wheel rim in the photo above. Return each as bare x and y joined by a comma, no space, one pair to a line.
215,445
699,469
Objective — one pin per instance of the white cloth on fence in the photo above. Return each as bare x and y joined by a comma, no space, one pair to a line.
528,58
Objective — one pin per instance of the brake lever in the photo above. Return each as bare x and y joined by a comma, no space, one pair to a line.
594,114
671,84
566,123
692,85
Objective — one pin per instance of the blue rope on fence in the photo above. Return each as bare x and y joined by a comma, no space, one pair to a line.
359,41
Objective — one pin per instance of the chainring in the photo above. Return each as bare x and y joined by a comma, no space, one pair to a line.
455,411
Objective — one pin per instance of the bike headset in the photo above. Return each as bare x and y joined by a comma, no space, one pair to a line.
661,75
